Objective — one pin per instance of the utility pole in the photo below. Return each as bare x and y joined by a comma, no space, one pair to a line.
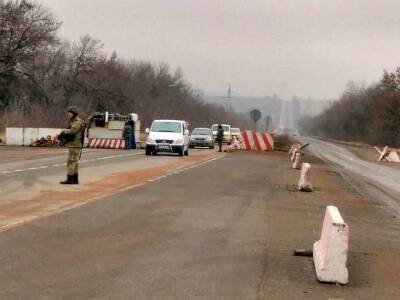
268,122
228,99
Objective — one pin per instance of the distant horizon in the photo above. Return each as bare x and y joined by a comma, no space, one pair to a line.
220,94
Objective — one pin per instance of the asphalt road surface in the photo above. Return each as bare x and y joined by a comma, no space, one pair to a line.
207,226
191,234
380,180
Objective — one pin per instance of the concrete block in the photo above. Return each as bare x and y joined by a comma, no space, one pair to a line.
330,252
30,135
297,161
14,136
304,181
295,146
293,157
393,157
44,132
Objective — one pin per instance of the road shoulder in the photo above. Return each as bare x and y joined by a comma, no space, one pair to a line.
295,220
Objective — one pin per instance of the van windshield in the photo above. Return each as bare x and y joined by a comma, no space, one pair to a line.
167,127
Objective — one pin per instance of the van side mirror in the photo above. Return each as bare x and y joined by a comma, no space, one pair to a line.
147,130
186,132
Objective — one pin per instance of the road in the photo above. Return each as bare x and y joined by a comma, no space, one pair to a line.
30,189
207,226
379,180
185,235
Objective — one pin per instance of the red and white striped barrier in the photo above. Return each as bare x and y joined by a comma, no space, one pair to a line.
257,141
330,252
107,143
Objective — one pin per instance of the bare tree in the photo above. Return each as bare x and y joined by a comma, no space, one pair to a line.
26,30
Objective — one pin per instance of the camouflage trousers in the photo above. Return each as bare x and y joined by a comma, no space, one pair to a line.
72,162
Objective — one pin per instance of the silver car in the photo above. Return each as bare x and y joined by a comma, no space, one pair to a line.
201,137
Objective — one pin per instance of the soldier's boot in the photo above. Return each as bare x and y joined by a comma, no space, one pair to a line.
69,180
75,179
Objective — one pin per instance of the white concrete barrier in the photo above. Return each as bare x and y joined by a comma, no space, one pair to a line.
330,252
388,154
43,132
304,181
19,136
293,157
30,135
295,146
14,136
393,157
297,161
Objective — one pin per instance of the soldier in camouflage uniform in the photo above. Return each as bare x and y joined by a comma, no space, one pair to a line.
126,134
76,130
220,137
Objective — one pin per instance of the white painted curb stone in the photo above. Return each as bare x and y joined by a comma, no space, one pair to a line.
297,161
330,252
304,181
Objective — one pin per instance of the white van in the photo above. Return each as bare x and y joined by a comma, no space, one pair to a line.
227,133
171,136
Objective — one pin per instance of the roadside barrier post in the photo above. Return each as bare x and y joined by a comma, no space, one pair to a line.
304,181
297,161
330,252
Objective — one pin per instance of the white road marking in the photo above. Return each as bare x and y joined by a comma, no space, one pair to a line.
174,172
64,164
74,205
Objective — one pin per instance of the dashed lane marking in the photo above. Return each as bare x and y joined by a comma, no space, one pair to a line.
64,164
175,172
70,206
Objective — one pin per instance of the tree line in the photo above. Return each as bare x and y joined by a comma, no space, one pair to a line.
41,75
369,114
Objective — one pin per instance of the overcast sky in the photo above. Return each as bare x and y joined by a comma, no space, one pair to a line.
308,48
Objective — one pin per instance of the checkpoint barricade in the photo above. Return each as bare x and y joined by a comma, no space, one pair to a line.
257,141
388,154
106,143
330,252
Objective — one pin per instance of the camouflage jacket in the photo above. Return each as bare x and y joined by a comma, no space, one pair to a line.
220,134
76,128
127,131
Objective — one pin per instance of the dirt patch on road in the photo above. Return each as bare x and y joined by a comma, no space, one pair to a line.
51,202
